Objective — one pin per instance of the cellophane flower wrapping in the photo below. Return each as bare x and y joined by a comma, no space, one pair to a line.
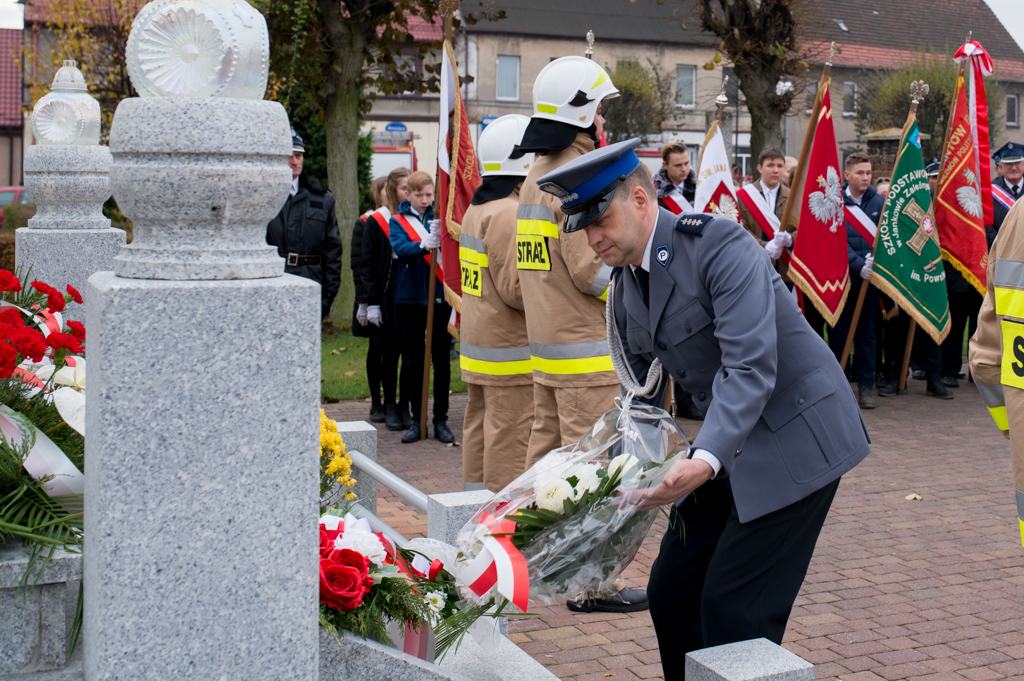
582,553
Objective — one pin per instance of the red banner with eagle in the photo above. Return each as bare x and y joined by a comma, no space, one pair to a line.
979,65
819,264
457,177
959,207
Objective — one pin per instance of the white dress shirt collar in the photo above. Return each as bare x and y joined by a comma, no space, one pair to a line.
855,199
295,186
646,263
771,196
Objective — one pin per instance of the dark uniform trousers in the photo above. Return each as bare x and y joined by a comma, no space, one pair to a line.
703,590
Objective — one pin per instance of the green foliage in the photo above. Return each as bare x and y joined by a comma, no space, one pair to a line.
391,598
364,171
644,101
885,99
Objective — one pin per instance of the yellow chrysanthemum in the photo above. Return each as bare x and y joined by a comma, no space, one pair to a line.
335,463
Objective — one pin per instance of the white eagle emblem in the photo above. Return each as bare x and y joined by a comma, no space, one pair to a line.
725,206
968,197
827,205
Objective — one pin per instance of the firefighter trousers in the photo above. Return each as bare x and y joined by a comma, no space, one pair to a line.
563,415
496,433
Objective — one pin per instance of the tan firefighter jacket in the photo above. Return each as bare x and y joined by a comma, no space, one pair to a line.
494,347
997,348
564,286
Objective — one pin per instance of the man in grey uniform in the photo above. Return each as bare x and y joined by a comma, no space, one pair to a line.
698,293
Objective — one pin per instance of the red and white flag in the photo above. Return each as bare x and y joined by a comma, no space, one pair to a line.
457,177
980,66
819,264
714,181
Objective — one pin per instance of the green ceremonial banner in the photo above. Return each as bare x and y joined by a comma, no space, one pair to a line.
908,260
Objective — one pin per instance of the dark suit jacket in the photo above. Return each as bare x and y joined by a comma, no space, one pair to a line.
779,413
998,213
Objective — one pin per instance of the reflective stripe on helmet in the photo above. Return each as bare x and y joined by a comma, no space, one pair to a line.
495,361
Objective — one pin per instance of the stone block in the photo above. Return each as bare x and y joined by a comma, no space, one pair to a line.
19,629
60,257
447,513
201,500
362,437
755,660
503,660
73,672
69,184
359,658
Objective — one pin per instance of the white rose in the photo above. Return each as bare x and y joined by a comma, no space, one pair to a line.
586,475
365,543
627,463
551,495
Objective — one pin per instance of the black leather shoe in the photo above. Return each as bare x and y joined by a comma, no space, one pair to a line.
377,413
627,600
688,410
412,435
936,389
393,421
890,389
407,420
950,382
443,433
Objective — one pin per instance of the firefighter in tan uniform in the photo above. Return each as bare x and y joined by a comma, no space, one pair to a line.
997,348
495,351
563,281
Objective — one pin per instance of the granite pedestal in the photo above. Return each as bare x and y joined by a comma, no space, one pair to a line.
447,513
361,437
755,660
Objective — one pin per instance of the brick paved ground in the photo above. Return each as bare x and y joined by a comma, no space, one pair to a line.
898,589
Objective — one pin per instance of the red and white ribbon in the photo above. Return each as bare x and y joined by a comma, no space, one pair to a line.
67,485
48,322
859,220
501,563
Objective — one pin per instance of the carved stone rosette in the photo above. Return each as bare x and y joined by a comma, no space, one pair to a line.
68,114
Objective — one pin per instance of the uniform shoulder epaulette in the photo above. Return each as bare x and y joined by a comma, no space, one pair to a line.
693,223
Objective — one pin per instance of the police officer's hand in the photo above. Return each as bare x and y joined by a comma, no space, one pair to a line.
685,476
361,314
432,240
373,315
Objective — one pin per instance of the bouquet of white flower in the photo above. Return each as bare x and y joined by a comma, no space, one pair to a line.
569,526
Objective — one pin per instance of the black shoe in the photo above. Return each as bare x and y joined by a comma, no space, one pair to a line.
377,414
950,382
918,374
936,389
393,421
443,433
627,600
412,435
407,420
864,398
688,410
890,389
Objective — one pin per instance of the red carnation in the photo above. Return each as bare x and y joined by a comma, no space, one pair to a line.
77,330
9,315
55,300
41,287
64,341
9,282
75,295
30,343
344,579
327,538
8,360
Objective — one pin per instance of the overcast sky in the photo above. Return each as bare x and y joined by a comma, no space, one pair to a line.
1010,12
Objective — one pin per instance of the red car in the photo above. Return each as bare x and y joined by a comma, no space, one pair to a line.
12,195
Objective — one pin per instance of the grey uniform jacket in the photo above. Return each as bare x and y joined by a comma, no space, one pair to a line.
779,413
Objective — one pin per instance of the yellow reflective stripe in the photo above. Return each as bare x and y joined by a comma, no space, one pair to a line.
600,79
491,166
537,228
1009,302
999,416
583,365
547,108
1012,367
473,257
603,296
480,366
1021,524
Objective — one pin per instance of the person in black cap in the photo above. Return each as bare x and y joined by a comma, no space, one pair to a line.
1008,187
697,294
305,232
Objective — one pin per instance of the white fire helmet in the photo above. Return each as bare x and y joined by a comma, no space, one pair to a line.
498,143
569,89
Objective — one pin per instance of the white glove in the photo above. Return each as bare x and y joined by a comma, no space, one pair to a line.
774,249
784,238
361,314
865,272
373,315
432,240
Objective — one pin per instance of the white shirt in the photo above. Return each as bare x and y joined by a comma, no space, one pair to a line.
771,196
855,198
1016,187
295,186
701,454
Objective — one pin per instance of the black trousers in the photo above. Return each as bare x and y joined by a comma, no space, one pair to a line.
963,314
719,581
863,338
382,366
413,320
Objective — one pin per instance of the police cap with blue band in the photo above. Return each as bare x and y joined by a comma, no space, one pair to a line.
1010,152
586,185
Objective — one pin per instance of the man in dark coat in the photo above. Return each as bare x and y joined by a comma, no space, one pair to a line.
1008,188
306,231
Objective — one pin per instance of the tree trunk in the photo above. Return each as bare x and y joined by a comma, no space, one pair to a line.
348,50
765,116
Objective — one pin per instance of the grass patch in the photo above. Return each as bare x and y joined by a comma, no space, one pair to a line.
343,368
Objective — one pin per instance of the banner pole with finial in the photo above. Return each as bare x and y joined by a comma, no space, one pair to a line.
589,53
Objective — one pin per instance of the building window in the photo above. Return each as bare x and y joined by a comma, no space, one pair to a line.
686,86
1013,111
507,78
849,99
812,94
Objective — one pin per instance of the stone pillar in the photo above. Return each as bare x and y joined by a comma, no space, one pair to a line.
447,513
204,389
755,660
362,437
67,175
